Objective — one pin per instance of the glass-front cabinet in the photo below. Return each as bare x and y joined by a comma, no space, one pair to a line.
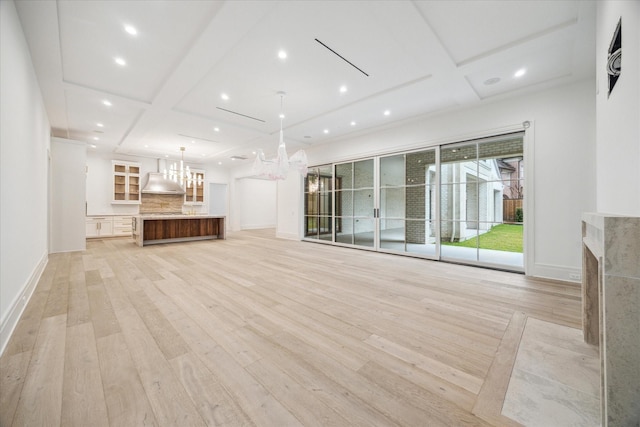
194,188
126,182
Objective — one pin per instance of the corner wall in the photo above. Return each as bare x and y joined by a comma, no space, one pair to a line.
24,146
68,180
618,114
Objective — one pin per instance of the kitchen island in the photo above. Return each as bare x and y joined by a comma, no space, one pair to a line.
162,228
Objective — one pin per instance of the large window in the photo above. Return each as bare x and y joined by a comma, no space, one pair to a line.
461,202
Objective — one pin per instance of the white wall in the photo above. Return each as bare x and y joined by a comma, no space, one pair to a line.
255,202
24,143
561,161
67,198
618,115
289,207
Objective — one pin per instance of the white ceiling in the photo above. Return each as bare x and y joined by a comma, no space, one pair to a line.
408,57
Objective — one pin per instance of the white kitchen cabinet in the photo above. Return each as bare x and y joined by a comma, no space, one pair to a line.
126,182
99,226
122,226
194,189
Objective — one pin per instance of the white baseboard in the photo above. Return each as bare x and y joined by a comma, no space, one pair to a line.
10,322
256,226
288,236
557,272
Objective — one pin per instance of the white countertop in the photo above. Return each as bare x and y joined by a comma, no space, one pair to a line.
176,216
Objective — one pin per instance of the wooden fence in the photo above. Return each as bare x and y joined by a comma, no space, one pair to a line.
509,207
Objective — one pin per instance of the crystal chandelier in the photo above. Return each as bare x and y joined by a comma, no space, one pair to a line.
182,175
278,167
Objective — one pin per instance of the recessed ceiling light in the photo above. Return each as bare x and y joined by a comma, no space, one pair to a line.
120,61
216,129
146,146
93,146
353,123
521,72
326,131
107,103
343,89
224,96
387,112
219,163
131,30
166,155
193,142
100,125
253,152
281,116
282,54
202,154
492,81
95,138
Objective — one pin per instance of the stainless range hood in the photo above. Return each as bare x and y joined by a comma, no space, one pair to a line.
158,184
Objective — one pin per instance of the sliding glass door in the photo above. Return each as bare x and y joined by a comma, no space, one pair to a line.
459,202
407,191
481,189
318,204
357,200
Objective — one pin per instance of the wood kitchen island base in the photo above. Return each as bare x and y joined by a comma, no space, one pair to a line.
155,229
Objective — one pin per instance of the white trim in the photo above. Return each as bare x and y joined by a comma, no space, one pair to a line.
16,309
287,236
555,272
256,226
529,198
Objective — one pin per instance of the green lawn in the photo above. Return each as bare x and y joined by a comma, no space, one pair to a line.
503,237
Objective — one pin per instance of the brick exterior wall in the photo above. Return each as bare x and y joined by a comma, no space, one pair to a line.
416,194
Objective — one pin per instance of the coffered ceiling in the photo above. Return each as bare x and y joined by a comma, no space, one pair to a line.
405,58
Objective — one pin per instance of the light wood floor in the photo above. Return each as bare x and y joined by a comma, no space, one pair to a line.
259,331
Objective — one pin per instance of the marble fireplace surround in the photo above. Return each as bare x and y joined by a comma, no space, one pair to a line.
611,311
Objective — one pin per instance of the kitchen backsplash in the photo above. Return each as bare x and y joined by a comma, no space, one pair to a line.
161,203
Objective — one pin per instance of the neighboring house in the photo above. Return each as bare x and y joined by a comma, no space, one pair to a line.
512,172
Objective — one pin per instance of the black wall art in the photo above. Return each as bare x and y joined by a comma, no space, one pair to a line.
614,59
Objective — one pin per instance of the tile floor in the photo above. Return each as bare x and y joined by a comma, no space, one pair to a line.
555,379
